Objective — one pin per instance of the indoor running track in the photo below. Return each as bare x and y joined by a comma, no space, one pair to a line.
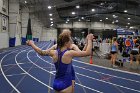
22,70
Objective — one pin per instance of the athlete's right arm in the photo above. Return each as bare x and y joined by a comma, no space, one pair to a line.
38,50
88,50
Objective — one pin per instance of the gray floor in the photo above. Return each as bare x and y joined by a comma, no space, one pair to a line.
106,63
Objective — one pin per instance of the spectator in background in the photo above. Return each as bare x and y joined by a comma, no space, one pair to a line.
120,44
128,45
135,52
114,51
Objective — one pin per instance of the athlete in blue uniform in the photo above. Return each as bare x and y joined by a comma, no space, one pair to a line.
73,47
62,58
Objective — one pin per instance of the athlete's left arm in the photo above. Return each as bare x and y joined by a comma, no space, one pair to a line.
74,47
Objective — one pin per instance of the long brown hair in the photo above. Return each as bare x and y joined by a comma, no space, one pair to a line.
62,39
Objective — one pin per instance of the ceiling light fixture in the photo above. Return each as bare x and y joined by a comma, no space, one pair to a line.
106,18
73,13
125,11
77,6
117,21
51,25
51,22
82,18
92,10
66,22
50,14
128,23
101,20
51,18
129,18
49,7
25,2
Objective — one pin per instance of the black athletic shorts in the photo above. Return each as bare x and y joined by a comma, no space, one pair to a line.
113,52
134,52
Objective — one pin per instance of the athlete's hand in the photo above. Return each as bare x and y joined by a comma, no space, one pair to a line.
29,42
90,37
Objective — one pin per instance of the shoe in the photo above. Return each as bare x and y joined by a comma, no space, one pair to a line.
114,66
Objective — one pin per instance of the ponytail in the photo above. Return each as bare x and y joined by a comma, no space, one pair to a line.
62,39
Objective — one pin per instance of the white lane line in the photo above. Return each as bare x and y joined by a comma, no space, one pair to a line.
107,74
108,82
107,68
13,64
30,74
54,74
102,80
15,74
89,88
11,50
52,71
5,75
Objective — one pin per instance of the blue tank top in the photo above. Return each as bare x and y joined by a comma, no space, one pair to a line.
62,69
63,77
113,47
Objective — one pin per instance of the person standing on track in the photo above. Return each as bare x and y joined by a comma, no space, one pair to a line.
62,58
72,47
114,51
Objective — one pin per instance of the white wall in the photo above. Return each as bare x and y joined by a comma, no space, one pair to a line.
48,34
15,21
90,25
24,21
4,36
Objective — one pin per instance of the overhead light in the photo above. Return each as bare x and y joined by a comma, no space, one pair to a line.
73,13
106,18
92,10
117,21
128,23
51,18
25,2
113,22
66,22
49,7
131,27
51,22
113,15
129,18
79,20
50,14
51,25
125,11
101,20
77,6
101,3
82,18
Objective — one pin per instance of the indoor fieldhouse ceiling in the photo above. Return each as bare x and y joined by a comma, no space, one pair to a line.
120,12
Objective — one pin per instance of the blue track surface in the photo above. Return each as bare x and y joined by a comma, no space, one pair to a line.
22,70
